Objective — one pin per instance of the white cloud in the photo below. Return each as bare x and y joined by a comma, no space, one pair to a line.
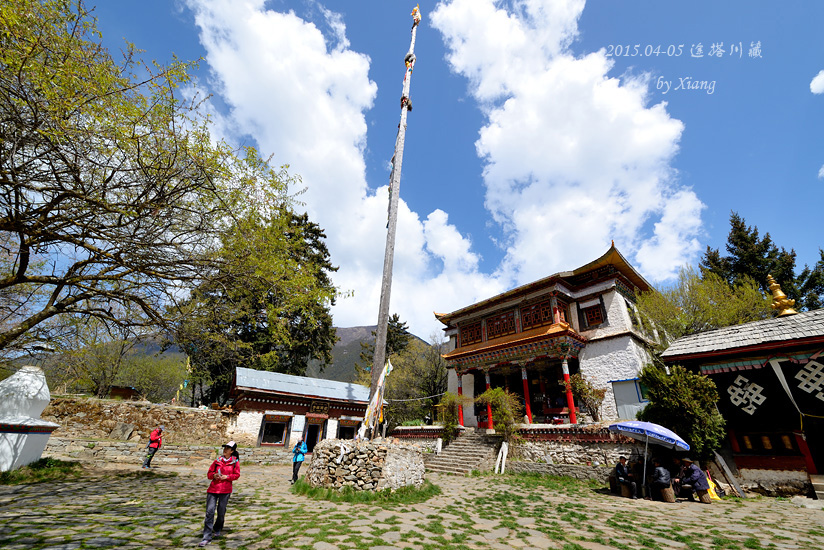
821,173
302,95
573,158
817,83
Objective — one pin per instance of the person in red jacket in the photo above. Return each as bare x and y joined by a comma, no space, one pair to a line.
222,472
155,441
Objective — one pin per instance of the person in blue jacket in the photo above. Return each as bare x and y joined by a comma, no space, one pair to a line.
693,479
299,453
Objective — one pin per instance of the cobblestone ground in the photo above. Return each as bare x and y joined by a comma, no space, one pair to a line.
159,509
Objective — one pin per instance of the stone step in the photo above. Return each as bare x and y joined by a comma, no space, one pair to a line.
454,462
448,470
463,455
482,451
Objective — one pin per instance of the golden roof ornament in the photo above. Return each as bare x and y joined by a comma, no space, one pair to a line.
780,301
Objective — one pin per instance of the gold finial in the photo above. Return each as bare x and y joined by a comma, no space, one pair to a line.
780,300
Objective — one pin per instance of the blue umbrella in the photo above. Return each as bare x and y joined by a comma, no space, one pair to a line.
649,432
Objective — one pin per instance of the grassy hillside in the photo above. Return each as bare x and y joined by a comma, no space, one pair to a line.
344,355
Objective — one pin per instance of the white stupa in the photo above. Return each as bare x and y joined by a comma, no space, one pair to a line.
23,434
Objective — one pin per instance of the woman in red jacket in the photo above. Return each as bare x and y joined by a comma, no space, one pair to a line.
155,441
222,472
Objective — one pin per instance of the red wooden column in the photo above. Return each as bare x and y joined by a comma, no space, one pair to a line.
489,423
460,405
570,399
526,394
805,451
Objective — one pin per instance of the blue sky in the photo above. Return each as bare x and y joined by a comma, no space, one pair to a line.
539,131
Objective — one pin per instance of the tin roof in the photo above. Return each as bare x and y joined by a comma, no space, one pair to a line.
300,385
807,326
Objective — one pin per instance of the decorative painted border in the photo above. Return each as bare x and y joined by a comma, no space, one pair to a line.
418,432
600,435
749,364
560,347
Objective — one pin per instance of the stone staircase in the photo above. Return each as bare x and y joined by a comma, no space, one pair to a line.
818,486
467,452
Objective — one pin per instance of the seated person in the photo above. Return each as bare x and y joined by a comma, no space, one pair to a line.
660,479
693,480
624,476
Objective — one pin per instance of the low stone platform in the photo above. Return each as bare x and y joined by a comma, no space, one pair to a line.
365,465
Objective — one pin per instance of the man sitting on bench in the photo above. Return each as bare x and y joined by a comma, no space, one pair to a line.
625,477
660,480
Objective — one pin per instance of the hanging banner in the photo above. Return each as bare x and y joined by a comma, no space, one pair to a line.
373,412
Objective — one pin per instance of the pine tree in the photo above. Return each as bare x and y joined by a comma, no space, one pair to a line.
751,256
397,339
268,309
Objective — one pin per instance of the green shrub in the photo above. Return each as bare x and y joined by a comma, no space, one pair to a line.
404,495
507,411
684,402
450,403
45,469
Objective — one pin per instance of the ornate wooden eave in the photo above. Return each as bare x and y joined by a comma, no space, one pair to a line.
554,341
611,265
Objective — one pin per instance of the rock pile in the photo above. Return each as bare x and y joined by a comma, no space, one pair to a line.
365,465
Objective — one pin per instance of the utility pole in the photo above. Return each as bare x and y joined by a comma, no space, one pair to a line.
394,193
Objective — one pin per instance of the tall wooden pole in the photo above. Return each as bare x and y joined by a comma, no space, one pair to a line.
394,193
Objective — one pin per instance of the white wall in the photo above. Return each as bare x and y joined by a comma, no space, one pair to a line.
331,428
298,423
23,396
616,358
468,390
247,423
618,319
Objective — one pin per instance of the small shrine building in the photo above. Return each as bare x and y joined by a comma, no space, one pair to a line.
770,379
530,338
279,409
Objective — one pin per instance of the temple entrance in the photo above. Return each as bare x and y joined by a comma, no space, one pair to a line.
314,433
547,395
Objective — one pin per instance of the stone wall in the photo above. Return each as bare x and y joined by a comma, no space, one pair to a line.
82,418
575,452
598,473
365,465
775,483
423,437
133,452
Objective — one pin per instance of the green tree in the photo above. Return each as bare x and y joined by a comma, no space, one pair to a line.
397,339
416,383
587,394
694,304
268,310
685,403
507,411
450,403
89,355
812,284
750,256
156,378
112,193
